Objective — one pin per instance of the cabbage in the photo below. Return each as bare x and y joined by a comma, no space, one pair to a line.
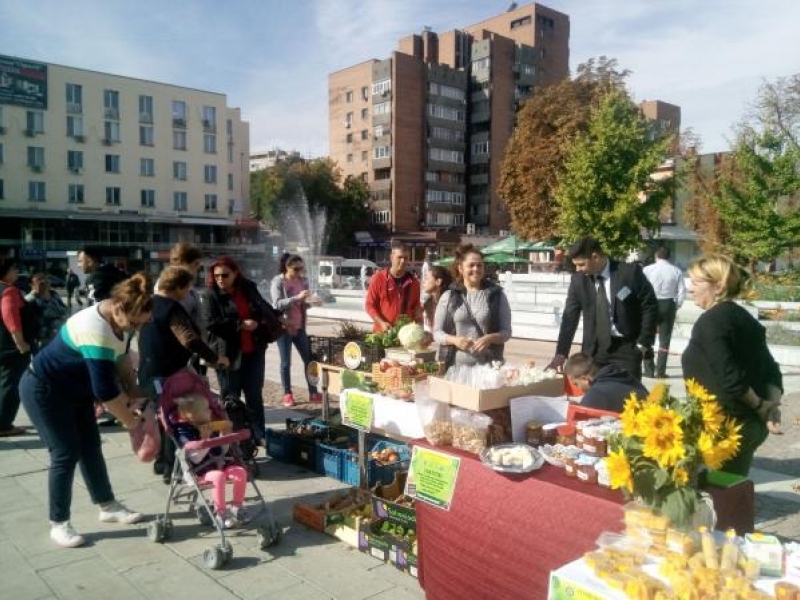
411,336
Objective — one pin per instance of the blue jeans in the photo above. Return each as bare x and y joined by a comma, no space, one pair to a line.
248,378
300,341
69,430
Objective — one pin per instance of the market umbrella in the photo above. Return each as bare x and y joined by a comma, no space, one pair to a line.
543,245
503,258
512,243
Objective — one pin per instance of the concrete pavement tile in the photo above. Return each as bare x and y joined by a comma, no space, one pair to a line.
18,577
264,581
17,462
176,579
13,496
91,580
302,591
775,485
406,586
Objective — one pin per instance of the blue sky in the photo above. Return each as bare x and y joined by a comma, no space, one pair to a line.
272,57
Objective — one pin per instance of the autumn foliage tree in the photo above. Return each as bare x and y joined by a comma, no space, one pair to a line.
547,126
606,187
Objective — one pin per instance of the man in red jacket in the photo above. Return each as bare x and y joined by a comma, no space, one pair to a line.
393,292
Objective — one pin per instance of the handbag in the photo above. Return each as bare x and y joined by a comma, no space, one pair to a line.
146,436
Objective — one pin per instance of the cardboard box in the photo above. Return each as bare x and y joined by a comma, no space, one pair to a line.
466,396
384,505
348,530
320,516
574,581
767,550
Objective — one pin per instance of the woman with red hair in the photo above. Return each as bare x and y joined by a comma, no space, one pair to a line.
234,316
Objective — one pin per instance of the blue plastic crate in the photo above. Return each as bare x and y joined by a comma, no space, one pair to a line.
329,460
376,472
281,445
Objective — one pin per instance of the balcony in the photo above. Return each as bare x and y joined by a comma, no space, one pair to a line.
79,138
146,118
74,108
111,113
381,184
178,123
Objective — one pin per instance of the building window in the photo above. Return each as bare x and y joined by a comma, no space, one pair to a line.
75,193
520,22
111,131
447,91
210,174
37,191
1,154
179,170
111,104
179,201
349,158
36,158
147,167
209,118
146,135
481,64
211,203
380,130
365,93
382,87
2,190
348,120
113,195
145,109
74,99
447,113
349,138
230,181
382,152
364,134
442,155
74,126
179,114
210,143
75,161
112,163
148,198
364,114
34,122
382,108
348,97
179,139
382,217
364,156
480,147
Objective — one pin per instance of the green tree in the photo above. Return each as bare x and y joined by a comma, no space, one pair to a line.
607,187
758,193
546,127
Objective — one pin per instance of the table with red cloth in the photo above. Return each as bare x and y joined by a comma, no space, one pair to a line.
504,533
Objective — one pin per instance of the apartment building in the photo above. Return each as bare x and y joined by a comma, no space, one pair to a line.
129,164
427,127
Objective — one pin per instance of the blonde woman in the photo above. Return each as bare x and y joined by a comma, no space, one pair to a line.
728,355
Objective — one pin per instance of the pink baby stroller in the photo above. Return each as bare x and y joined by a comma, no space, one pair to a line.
184,483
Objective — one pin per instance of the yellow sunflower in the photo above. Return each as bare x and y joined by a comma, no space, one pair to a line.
712,417
680,476
659,393
712,453
619,470
629,419
665,447
695,390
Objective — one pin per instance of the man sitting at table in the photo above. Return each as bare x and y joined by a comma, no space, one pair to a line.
605,388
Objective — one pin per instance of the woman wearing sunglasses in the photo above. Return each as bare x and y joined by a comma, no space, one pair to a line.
235,316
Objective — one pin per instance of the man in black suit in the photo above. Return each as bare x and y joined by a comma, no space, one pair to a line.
618,306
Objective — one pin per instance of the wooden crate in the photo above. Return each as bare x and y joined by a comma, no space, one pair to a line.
393,377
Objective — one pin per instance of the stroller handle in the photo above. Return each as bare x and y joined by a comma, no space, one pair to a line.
222,440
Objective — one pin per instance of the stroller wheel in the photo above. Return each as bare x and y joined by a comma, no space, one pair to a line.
215,557
155,531
203,516
269,535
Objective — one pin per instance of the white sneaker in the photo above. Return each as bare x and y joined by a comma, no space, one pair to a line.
235,517
64,535
115,512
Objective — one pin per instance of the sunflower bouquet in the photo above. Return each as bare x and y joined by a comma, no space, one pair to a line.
664,444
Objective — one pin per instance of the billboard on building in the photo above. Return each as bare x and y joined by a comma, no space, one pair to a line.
23,82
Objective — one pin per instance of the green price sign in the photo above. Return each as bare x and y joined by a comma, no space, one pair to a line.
358,410
432,477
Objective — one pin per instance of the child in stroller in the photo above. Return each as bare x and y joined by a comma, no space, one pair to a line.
194,421
208,455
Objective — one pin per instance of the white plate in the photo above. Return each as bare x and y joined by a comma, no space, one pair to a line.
538,459
551,459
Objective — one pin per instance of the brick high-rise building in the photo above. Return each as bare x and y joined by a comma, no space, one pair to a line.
427,127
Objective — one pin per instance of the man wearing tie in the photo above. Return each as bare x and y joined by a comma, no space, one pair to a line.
618,307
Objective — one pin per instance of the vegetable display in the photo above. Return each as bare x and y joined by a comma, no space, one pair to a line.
388,338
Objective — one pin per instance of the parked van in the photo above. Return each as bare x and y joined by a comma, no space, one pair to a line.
343,273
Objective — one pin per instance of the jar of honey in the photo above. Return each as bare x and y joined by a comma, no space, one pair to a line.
534,433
